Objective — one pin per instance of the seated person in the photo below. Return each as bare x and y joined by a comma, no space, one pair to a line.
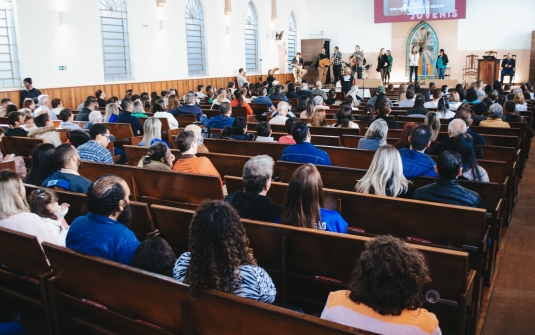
159,157
283,111
127,117
508,68
238,131
437,94
344,118
188,162
446,189
227,264
224,119
380,92
288,138
155,255
481,113
375,136
495,118
239,101
409,101
331,100
263,99
318,91
385,176
95,150
304,151
471,97
389,299
152,131
189,107
103,232
384,109
415,162
512,116
45,130
455,128
198,136
252,203
479,140
464,145
418,109
277,94
263,132
291,92
67,117
67,178
94,117
16,120
305,202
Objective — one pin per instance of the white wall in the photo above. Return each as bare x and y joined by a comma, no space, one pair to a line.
156,55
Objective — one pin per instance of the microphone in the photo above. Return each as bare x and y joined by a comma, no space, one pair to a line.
433,297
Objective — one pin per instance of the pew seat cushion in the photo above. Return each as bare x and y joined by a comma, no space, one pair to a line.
100,236
255,284
330,221
341,309
254,206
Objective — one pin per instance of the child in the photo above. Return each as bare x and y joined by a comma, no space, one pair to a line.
44,203
347,80
29,124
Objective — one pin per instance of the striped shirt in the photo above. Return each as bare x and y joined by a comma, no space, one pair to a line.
342,310
93,152
255,284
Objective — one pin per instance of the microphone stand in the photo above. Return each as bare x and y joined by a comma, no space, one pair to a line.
261,70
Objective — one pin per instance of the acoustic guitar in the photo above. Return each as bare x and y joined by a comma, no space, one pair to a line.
325,62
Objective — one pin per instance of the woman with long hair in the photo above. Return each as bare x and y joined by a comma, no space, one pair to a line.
454,101
432,119
385,176
239,101
318,119
112,111
404,138
302,105
220,257
308,112
462,92
443,109
305,201
414,62
152,131
173,102
160,111
15,211
344,118
159,157
42,164
464,145
29,103
402,91
382,64
471,97
375,135
222,96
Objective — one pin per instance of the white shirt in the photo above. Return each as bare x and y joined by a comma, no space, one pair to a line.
413,59
521,108
406,103
454,105
264,139
172,121
32,224
431,104
200,95
57,110
279,119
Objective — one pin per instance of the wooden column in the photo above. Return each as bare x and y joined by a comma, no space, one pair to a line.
532,59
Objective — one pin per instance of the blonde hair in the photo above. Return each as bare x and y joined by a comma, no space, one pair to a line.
454,97
379,129
110,110
347,71
151,129
402,91
385,175
519,99
433,121
380,53
222,97
318,118
11,201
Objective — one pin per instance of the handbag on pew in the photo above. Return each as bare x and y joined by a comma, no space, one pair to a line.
78,137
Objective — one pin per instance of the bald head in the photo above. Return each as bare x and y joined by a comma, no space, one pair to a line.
456,127
318,84
107,196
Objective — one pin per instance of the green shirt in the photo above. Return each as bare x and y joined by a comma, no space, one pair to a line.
390,59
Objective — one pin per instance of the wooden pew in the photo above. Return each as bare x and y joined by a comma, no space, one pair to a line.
352,141
23,271
349,157
315,139
141,224
128,300
297,259
185,120
9,166
123,133
153,186
333,177
20,146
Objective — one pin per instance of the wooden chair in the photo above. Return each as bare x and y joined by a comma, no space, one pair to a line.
470,68
123,133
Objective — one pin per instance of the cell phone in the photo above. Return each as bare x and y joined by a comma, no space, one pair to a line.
12,155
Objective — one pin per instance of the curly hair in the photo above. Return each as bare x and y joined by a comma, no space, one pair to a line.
104,195
389,276
154,255
218,246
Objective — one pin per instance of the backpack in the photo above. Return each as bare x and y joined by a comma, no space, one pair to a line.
78,137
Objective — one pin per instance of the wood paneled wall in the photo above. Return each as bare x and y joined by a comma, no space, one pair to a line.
73,96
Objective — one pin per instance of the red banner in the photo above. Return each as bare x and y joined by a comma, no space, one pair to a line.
418,10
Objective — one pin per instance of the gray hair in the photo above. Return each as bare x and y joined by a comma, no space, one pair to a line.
257,173
43,98
138,108
379,129
190,99
457,127
316,83
94,116
283,106
495,111
304,86
517,90
318,100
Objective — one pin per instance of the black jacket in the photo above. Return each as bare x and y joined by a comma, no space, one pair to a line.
33,93
253,206
16,132
417,110
513,63
391,123
448,192
445,60
127,117
83,115
382,62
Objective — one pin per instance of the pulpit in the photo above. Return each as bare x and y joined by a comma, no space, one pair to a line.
488,70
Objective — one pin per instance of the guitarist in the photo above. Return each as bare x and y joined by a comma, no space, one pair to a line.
298,71
357,60
322,70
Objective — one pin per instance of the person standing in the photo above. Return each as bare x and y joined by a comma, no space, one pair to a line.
322,70
359,56
28,92
442,62
337,64
382,64
297,64
241,78
414,61
389,68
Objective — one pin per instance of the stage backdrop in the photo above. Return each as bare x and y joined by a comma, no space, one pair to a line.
418,10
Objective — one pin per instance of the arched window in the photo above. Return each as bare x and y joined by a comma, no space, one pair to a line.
115,40
251,39
292,40
423,37
195,38
9,60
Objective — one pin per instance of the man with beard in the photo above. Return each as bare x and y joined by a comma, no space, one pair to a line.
103,231
67,178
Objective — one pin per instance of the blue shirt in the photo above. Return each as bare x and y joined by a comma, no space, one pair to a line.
67,181
218,121
94,152
113,118
305,153
154,140
127,117
98,235
263,100
330,221
416,164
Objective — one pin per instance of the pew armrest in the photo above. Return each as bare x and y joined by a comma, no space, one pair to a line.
499,205
465,310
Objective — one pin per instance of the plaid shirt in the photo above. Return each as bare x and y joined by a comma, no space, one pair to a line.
94,152
337,58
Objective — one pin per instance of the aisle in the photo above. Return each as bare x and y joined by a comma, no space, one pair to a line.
512,305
